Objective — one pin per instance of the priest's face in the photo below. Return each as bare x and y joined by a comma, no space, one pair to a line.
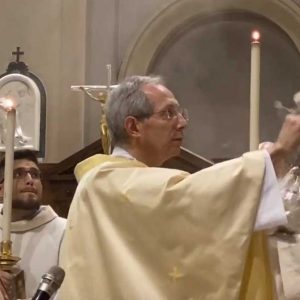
162,133
27,186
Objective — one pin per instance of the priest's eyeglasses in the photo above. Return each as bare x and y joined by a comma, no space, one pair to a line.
172,113
21,173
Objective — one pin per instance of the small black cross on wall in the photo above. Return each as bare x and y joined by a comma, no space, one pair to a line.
18,53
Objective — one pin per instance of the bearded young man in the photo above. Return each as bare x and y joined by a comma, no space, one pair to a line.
139,232
36,230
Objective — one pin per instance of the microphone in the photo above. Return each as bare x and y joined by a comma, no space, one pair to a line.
50,283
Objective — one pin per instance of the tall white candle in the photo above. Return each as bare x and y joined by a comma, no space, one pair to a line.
108,68
8,170
254,91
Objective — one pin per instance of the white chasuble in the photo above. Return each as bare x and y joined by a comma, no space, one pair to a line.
37,242
140,233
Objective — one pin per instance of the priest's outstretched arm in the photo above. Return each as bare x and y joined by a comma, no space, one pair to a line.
286,144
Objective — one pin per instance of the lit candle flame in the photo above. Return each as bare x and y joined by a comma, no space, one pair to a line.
255,36
7,104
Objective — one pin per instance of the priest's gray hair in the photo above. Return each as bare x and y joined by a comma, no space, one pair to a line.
128,99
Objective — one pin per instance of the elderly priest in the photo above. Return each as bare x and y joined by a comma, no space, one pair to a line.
139,232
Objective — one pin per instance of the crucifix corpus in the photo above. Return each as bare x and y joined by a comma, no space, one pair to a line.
100,93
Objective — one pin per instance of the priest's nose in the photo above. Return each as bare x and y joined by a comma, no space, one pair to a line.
28,178
182,122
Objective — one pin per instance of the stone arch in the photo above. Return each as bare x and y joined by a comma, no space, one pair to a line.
286,14
151,54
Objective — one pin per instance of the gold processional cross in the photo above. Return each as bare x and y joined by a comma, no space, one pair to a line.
100,93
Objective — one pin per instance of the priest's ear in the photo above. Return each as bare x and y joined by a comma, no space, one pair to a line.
132,126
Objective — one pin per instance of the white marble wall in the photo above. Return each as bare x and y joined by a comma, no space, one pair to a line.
113,26
52,34
127,18
70,42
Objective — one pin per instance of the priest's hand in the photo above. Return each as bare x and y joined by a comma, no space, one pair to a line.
283,167
286,144
5,286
